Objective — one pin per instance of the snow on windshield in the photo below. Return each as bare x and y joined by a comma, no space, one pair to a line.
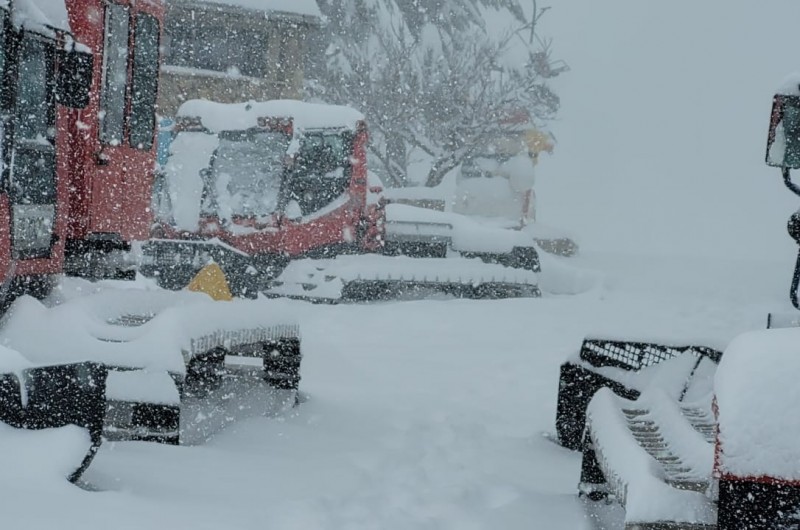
190,153
247,170
237,174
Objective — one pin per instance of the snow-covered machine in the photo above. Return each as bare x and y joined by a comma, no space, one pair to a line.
682,435
277,194
180,365
46,77
77,145
496,184
44,72
77,129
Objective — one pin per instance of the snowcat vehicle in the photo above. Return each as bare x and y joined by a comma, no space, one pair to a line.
77,126
686,435
180,365
494,186
44,72
78,131
46,75
277,194
109,146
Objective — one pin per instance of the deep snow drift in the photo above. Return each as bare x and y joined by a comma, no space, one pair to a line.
424,414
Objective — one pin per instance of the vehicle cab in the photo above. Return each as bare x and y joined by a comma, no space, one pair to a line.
44,70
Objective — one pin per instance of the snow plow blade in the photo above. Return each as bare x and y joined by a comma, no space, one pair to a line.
373,277
619,366
49,397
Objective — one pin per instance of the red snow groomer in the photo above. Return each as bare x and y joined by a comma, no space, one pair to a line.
682,435
277,194
109,146
77,127
77,115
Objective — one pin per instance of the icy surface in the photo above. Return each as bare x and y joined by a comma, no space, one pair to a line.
755,387
190,153
238,116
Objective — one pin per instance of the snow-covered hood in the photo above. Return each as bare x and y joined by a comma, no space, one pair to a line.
218,117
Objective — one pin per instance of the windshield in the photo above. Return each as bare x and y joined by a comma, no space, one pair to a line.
247,170
321,171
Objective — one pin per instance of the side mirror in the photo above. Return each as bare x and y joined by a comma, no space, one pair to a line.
74,80
783,142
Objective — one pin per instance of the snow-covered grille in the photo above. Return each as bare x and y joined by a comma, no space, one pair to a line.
637,355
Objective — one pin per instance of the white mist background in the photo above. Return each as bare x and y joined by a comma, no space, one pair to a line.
662,131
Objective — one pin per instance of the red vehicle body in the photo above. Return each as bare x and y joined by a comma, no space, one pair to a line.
256,187
110,146
75,186
337,229
311,214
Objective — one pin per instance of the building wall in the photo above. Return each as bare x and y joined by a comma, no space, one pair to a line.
276,55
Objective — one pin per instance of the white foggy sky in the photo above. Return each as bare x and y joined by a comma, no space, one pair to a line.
663,125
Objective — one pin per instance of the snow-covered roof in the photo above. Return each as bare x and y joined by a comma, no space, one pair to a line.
756,387
238,116
41,16
306,8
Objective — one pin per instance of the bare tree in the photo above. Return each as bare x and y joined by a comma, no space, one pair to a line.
440,93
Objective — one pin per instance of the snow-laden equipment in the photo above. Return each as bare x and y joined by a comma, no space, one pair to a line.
77,129
756,447
641,414
276,193
783,151
757,459
496,184
181,366
649,439
654,456
626,368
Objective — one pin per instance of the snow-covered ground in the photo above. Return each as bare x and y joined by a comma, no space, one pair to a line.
432,414
427,414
